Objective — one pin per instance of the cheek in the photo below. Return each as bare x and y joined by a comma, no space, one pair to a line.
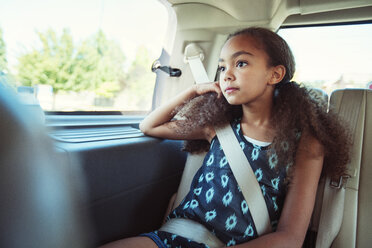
220,76
221,82
268,77
261,75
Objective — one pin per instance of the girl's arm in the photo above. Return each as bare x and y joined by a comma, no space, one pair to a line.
159,123
300,199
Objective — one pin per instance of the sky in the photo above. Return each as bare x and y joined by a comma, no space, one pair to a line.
321,54
130,23
325,53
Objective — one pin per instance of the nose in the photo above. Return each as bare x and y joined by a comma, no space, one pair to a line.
229,75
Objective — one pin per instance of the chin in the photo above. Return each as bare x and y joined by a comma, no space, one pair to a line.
233,101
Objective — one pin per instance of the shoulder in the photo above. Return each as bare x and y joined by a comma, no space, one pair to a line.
310,147
209,133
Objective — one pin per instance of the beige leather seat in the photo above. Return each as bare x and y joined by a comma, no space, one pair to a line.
357,218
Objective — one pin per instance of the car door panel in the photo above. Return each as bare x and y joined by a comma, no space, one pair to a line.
128,182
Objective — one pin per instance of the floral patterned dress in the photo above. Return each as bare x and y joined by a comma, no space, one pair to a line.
216,201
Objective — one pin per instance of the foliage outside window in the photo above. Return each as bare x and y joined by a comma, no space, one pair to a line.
93,73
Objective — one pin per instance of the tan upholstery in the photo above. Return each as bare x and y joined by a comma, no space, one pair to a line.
355,230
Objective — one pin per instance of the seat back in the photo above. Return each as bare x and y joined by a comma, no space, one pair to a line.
39,204
351,104
355,229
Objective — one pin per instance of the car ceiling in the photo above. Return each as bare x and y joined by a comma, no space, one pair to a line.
241,10
274,12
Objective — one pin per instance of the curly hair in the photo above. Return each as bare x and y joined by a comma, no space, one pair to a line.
295,111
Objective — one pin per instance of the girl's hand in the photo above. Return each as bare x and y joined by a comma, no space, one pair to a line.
203,88
160,123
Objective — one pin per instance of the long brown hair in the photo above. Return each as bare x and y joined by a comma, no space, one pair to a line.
295,111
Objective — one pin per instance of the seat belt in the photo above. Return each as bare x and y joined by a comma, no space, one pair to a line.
334,192
193,56
246,179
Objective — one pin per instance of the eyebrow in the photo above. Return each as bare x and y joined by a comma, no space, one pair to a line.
237,54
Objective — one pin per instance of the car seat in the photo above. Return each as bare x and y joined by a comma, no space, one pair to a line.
352,105
39,203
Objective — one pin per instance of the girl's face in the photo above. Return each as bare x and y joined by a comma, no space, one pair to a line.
245,76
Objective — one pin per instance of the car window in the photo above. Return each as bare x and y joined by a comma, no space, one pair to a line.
332,57
86,55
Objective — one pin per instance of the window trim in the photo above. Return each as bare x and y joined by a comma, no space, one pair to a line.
325,24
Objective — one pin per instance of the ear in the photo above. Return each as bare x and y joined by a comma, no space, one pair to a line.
278,73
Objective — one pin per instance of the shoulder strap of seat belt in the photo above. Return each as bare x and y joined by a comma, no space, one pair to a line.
193,163
334,195
193,56
246,178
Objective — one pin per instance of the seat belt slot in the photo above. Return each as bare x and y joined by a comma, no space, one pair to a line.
194,56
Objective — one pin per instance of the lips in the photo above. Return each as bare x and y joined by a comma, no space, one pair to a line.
230,90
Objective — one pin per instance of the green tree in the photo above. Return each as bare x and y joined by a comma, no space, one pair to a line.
100,65
139,84
95,65
50,64
3,61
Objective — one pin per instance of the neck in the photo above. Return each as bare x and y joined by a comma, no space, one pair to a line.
256,119
258,113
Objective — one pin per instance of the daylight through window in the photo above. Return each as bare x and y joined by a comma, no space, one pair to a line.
83,55
332,57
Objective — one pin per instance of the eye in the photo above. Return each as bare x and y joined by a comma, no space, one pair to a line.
241,63
221,68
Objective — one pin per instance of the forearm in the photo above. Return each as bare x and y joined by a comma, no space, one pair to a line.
165,112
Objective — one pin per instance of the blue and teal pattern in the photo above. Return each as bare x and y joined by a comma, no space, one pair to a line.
215,199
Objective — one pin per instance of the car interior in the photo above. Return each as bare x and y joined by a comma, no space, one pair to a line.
83,179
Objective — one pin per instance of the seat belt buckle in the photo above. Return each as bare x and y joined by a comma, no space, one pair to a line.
340,183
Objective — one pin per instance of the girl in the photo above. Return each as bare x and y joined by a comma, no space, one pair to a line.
287,136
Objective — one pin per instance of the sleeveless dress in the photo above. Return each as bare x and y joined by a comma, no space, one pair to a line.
216,201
